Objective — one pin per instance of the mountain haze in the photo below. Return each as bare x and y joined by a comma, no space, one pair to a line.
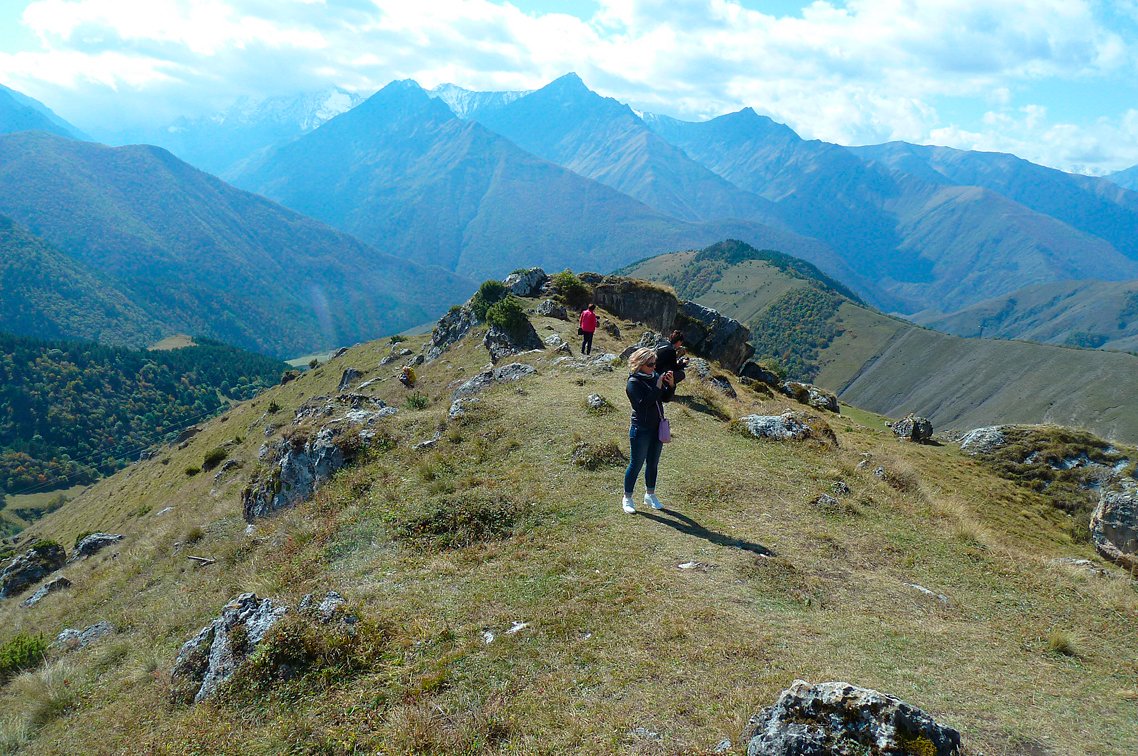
18,112
203,257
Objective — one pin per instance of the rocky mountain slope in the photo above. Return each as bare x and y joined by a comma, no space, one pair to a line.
466,582
1094,314
402,172
199,256
888,365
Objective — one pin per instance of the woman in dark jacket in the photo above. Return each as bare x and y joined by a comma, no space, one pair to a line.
646,391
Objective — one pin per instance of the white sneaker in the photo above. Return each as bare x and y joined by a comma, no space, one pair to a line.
652,501
627,505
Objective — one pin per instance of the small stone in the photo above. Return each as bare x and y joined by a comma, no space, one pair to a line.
74,640
30,567
597,402
487,637
163,510
430,443
723,746
517,627
983,440
940,597
827,502
880,473
841,488
643,733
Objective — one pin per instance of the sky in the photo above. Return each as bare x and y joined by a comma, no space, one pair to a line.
1053,81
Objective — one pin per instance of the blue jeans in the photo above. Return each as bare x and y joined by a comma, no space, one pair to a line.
645,447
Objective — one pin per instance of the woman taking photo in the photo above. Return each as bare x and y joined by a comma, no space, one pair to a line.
647,390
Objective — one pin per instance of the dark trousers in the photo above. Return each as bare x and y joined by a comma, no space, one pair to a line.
587,342
645,447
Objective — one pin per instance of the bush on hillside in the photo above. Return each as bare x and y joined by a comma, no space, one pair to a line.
508,315
570,289
459,520
489,293
214,457
21,653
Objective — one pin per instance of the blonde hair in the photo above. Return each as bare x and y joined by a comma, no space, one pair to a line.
639,357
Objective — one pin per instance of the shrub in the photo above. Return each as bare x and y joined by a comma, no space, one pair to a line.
313,363
214,457
21,653
595,456
489,293
572,290
508,315
398,339
194,534
274,408
1060,642
192,470
417,401
456,521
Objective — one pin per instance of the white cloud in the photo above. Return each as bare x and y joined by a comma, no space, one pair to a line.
853,72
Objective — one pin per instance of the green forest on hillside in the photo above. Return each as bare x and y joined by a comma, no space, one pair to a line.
72,411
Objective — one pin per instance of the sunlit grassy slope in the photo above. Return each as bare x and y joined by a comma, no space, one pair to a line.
618,637
891,366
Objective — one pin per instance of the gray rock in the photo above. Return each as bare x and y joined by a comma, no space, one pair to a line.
913,428
723,746
75,640
326,608
605,360
430,443
938,597
983,440
449,330
188,433
527,283
757,372
1082,565
459,408
811,395
227,466
515,371
699,367
96,542
295,474
627,351
723,385
632,299
841,488
839,718
29,568
338,353
210,658
611,329
597,402
55,584
715,336
1114,527
554,340
550,309
405,352
349,377
501,343
789,426
512,372
880,473
827,503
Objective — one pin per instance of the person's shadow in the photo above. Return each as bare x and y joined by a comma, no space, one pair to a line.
688,526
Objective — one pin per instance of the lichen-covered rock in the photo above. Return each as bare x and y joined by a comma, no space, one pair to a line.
504,373
699,367
450,329
553,341
297,468
597,403
789,426
327,608
913,428
715,336
983,440
757,372
40,560
811,395
502,343
57,583
74,640
1114,527
96,542
843,719
526,283
459,408
210,658
350,376
633,299
723,385
550,309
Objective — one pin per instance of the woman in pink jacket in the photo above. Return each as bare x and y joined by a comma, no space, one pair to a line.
588,327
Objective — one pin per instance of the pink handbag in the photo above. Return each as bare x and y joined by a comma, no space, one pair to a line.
665,427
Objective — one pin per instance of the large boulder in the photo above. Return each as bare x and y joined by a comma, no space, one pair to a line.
502,343
96,542
1114,527
843,719
809,394
449,330
297,466
983,440
789,426
550,309
211,657
714,336
636,300
913,428
527,283
29,568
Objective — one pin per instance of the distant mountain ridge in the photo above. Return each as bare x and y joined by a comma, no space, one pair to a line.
200,256
18,112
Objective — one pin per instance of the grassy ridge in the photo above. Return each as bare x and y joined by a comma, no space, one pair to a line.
617,637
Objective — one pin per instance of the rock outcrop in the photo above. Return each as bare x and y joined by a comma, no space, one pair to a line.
757,372
350,376
811,395
74,640
449,330
983,440
40,560
210,658
839,718
503,374
789,426
714,336
913,428
502,343
57,583
637,300
550,309
1114,527
297,467
527,283
94,543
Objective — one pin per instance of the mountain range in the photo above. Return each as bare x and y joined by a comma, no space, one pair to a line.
18,112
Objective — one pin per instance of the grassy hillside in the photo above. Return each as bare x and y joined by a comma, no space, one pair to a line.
616,636
200,256
891,366
1092,314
